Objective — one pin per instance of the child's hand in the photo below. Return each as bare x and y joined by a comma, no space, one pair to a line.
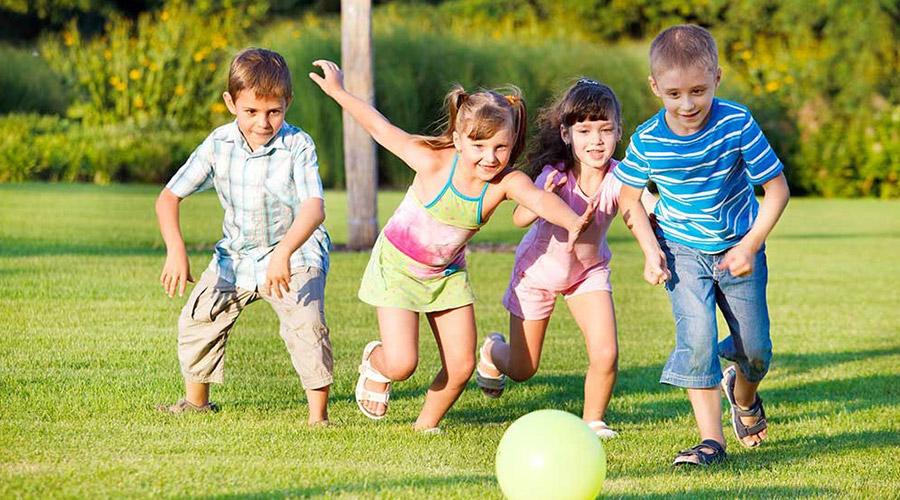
738,261
278,275
176,273
332,79
656,271
550,184
583,222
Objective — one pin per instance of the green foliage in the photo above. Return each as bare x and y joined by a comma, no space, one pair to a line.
169,66
56,149
414,68
28,84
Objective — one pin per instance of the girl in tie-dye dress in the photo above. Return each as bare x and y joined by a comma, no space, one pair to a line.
418,263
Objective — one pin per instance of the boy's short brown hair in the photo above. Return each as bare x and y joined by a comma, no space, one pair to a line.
263,71
683,46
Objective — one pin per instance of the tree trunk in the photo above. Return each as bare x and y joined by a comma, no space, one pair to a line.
360,164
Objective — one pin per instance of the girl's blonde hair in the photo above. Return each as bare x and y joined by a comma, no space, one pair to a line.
480,115
585,100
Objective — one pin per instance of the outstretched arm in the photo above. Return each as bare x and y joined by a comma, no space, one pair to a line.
393,138
630,203
548,206
176,271
523,217
739,259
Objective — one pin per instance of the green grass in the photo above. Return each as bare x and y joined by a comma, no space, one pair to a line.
87,346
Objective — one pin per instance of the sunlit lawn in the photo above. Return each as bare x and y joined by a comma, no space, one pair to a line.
87,346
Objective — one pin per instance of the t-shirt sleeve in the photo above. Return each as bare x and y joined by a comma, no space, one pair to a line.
633,170
197,173
761,161
306,170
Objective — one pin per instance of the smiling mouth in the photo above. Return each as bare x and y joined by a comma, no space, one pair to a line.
691,115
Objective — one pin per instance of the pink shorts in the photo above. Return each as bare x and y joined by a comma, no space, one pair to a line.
529,299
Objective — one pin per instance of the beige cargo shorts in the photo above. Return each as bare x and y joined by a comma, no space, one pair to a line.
214,305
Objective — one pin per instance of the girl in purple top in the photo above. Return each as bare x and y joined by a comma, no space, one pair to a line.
577,137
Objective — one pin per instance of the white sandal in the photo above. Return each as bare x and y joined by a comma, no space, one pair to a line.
367,372
490,385
602,430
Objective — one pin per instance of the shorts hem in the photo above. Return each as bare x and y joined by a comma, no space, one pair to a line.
690,381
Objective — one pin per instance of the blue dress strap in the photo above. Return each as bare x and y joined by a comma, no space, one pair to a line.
448,184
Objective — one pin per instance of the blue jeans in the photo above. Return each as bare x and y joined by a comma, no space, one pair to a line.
696,288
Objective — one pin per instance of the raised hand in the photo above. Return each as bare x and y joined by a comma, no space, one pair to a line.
332,79
550,184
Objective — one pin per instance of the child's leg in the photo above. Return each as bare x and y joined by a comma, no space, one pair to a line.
317,399
596,317
520,357
454,331
743,304
203,327
398,354
694,364
301,312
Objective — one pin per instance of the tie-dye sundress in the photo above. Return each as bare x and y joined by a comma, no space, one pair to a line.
418,262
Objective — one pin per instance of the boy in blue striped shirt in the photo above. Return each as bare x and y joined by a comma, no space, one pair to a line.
274,246
705,155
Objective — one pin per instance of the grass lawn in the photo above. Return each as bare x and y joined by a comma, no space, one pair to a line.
87,346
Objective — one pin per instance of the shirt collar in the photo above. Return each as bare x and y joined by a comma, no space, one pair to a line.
278,142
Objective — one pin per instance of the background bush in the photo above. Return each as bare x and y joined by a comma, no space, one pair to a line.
168,66
414,69
34,147
28,83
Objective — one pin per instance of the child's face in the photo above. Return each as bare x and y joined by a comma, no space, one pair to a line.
488,156
592,141
687,95
259,118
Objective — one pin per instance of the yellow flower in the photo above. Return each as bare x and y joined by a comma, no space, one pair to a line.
199,56
211,66
219,41
746,55
219,108
153,67
68,39
164,16
772,86
114,81
107,54
179,90
134,74
138,102
121,86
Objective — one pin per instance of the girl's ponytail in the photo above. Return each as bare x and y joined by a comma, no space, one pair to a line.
520,121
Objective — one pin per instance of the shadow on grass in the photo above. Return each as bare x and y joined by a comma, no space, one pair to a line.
369,487
754,492
566,392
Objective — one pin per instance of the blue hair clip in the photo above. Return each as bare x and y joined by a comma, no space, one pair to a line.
587,81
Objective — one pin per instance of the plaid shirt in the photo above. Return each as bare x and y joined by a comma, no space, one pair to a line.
261,192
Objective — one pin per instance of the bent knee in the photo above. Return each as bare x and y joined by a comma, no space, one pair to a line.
522,373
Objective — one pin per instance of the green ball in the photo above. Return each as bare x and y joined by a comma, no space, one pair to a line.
550,454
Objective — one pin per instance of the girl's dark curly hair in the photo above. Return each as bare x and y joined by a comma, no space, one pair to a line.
585,100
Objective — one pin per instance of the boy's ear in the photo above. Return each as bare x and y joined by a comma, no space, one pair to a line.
653,87
456,141
229,103
718,76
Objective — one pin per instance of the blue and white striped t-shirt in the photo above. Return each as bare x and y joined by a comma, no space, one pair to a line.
705,179
261,192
